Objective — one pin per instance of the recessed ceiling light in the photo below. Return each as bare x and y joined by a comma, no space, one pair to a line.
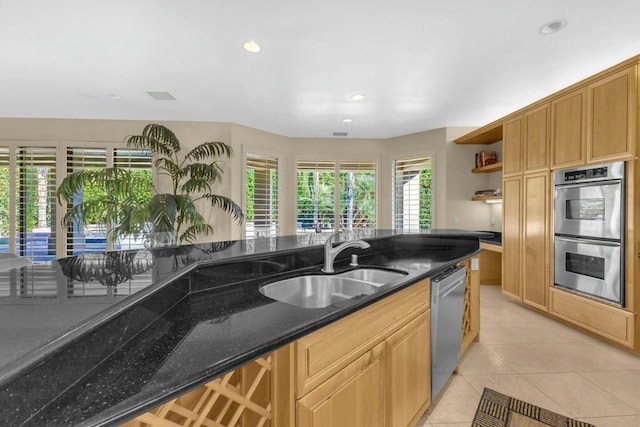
113,96
251,46
347,120
357,97
161,96
552,27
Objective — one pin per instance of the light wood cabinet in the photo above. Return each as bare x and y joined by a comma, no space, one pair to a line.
370,368
535,237
612,117
536,139
355,396
409,371
569,130
512,147
512,237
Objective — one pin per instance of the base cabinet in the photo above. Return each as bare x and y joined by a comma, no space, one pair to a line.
409,371
371,368
355,396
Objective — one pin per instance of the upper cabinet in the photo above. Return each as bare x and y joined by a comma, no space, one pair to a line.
512,147
536,139
594,121
569,130
612,115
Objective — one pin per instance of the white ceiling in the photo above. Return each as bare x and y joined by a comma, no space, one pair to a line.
422,64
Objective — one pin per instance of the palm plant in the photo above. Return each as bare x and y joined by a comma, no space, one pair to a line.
170,217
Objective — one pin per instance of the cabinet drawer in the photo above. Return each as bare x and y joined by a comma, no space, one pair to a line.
607,321
324,352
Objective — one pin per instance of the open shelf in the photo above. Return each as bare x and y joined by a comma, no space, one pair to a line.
488,134
489,168
485,198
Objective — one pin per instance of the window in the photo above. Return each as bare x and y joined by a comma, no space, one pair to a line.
36,205
412,189
327,190
29,216
261,196
357,195
91,236
5,201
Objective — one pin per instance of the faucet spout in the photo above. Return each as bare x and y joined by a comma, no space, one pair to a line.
330,253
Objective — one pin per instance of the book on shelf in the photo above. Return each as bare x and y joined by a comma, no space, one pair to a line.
486,158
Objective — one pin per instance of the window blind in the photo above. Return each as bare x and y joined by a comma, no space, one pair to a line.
36,203
315,196
261,196
90,236
357,195
5,197
412,189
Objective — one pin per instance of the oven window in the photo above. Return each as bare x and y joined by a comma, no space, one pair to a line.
585,209
585,265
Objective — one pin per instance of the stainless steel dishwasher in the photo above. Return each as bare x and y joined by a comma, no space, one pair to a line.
447,300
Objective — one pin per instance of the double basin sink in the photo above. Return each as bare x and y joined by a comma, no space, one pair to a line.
317,291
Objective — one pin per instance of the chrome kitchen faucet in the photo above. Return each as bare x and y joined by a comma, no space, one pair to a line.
330,253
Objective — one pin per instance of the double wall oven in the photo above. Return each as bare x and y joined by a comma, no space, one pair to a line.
589,231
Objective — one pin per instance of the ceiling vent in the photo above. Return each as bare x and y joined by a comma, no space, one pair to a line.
161,96
340,133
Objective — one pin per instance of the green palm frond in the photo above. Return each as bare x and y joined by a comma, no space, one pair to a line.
209,149
155,138
163,212
170,166
227,205
192,232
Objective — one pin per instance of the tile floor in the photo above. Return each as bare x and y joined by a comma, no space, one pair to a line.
539,360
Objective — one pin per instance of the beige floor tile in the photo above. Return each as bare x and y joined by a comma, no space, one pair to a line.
480,361
579,396
632,421
625,385
526,358
456,404
451,425
590,356
495,333
518,387
544,331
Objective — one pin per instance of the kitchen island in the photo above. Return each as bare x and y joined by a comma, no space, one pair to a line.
198,316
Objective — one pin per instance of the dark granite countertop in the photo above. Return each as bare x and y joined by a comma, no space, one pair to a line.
496,239
192,314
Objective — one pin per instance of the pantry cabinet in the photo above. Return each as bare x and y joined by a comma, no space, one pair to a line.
569,130
612,117
512,237
536,240
536,139
512,147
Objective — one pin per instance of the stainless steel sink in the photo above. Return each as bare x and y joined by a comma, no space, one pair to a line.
316,291
373,275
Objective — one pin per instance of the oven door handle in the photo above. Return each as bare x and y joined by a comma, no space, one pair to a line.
588,241
561,186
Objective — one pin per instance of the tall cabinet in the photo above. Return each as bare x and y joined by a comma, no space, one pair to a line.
592,122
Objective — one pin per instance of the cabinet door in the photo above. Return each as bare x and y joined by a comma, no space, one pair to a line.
511,236
535,277
569,130
354,397
409,372
536,139
612,107
512,147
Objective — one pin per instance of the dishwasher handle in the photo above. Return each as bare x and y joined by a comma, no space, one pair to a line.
443,283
